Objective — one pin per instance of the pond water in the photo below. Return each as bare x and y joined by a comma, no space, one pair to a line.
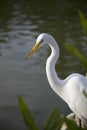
20,24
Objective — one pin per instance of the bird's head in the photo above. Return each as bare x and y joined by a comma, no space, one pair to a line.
39,42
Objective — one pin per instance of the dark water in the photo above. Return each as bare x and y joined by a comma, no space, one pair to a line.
20,23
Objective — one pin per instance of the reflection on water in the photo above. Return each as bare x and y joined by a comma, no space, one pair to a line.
20,24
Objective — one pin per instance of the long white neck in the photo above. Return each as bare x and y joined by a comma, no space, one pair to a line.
54,81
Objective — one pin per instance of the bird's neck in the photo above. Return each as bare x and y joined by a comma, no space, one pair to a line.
53,79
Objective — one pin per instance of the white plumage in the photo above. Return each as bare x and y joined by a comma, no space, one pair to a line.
70,89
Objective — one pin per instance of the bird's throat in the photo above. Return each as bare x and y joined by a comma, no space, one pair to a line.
53,79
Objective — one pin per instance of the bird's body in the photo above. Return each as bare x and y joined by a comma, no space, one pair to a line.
70,89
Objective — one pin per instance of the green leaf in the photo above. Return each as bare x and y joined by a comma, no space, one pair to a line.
60,123
83,21
51,121
73,51
28,119
71,125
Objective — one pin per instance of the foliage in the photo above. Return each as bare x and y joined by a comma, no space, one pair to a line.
54,121
83,21
28,119
72,49
71,124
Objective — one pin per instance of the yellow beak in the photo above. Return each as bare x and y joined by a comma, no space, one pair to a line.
33,50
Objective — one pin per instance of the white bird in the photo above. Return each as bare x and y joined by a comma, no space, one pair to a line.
71,88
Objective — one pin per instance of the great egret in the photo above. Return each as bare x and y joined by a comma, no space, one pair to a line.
70,89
